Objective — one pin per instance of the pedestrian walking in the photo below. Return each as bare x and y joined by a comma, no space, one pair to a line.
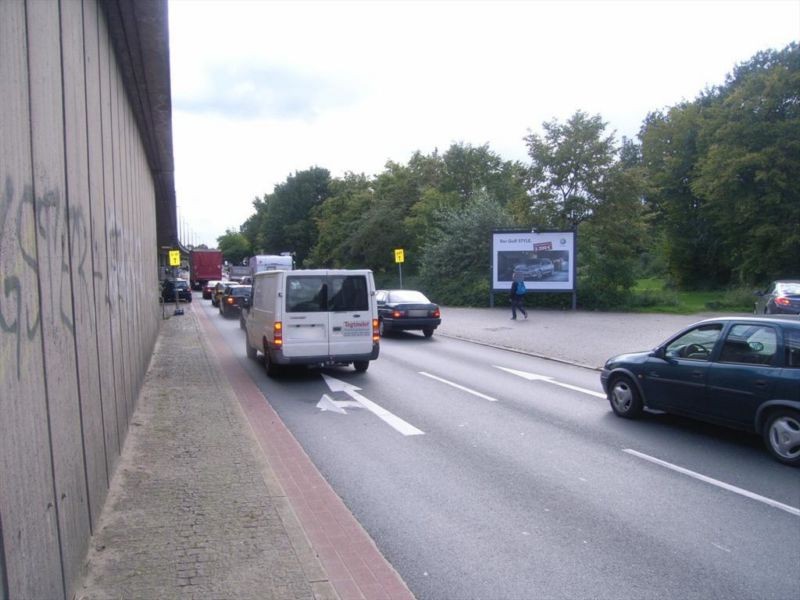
517,297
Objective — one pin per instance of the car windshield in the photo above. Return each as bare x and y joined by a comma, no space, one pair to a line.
407,296
181,285
241,291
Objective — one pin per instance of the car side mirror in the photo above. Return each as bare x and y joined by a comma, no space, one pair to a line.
660,352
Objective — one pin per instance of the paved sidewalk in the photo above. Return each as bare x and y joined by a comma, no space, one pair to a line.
576,337
213,497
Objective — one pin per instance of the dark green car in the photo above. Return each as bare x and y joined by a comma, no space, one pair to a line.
737,372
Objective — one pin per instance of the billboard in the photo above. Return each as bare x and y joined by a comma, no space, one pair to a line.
544,260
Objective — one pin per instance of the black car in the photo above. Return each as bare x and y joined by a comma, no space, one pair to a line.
400,310
783,297
232,298
172,286
737,372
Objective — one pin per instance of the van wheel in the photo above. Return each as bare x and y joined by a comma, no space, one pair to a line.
361,365
252,353
271,368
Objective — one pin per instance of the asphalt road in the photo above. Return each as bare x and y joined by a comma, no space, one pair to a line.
484,473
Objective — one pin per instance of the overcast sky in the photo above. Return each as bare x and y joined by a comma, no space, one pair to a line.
262,89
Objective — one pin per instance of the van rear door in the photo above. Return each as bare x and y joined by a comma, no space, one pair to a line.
305,322
350,314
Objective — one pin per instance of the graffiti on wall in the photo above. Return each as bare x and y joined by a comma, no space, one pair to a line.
25,284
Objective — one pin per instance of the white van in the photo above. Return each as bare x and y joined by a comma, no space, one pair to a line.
313,317
269,262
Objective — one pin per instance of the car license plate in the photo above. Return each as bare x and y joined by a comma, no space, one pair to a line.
418,313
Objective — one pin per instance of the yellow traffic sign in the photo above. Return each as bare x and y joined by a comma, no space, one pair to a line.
399,255
174,258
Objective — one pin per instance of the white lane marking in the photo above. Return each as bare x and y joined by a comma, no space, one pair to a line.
725,486
460,387
394,421
536,377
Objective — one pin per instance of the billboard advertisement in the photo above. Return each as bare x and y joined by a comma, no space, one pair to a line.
544,260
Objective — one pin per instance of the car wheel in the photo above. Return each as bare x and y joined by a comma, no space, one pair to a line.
782,436
241,323
252,353
427,332
625,399
361,365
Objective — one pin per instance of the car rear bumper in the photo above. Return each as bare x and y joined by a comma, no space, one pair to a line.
411,323
277,357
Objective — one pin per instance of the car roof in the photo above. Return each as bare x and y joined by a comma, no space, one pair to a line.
790,320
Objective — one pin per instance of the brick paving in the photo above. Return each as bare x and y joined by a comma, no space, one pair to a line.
196,508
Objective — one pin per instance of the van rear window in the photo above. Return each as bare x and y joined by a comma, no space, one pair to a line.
306,294
321,294
348,292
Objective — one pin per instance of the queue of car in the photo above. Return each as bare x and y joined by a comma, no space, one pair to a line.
742,373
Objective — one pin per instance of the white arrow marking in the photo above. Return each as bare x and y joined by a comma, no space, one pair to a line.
460,387
337,385
394,421
535,377
327,403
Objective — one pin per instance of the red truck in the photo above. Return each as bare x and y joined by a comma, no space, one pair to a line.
206,266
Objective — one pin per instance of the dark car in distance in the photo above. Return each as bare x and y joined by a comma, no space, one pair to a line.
404,310
172,287
742,373
232,299
782,298
208,288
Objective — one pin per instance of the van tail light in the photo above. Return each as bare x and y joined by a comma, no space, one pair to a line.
376,331
277,333
782,301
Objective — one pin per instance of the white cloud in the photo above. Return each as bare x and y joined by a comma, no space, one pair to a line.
262,89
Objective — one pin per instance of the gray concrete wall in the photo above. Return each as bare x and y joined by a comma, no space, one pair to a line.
78,285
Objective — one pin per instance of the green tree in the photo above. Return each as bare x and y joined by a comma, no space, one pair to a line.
456,261
722,174
337,219
748,176
287,224
569,164
611,242
234,246
670,150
